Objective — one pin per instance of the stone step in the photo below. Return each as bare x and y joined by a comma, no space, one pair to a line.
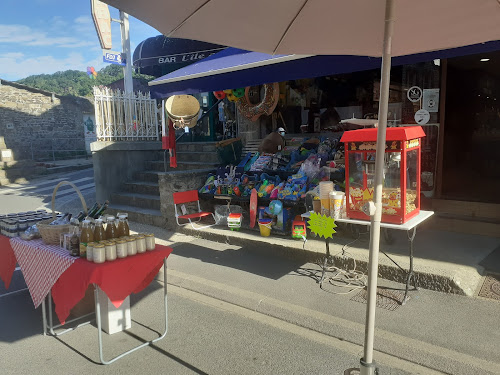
159,166
196,146
139,215
16,164
146,176
151,202
197,156
187,166
142,187
17,180
465,224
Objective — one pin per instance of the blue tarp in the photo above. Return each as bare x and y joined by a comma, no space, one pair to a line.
233,68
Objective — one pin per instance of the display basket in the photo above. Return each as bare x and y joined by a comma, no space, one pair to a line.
51,233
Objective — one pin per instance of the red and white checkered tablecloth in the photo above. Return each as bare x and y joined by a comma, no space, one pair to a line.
41,265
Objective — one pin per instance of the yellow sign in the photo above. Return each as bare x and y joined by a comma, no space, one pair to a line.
321,225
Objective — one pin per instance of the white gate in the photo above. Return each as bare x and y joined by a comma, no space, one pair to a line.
125,117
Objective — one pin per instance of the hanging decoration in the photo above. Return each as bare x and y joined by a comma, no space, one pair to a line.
219,94
266,105
239,93
183,110
91,72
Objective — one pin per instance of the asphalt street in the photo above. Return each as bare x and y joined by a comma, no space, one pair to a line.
37,194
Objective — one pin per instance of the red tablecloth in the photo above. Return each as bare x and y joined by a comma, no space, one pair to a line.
118,279
7,261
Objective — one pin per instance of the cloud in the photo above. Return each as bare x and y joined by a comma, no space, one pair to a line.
25,35
16,66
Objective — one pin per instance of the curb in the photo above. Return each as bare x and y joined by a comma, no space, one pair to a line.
69,168
454,282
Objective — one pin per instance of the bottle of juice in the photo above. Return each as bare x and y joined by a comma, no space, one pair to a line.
99,233
86,236
111,231
122,227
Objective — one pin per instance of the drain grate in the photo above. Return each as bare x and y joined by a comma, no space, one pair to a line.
491,287
387,299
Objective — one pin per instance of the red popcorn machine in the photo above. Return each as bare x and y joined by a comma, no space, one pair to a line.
401,182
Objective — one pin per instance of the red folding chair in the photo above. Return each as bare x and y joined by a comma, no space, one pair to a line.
190,196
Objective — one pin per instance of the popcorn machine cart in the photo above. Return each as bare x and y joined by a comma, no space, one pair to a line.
401,186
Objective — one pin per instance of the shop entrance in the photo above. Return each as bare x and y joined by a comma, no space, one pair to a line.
471,160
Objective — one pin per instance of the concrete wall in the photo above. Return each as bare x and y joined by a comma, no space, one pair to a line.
31,120
176,181
116,162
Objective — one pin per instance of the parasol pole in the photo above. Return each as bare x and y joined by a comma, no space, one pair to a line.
367,363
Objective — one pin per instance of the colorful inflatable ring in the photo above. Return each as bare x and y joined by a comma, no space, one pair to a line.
220,94
239,93
231,97
266,106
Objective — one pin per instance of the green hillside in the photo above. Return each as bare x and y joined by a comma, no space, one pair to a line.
74,82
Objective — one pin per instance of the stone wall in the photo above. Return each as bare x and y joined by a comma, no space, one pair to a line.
116,162
33,121
172,182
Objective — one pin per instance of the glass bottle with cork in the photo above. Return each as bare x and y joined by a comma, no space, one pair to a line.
86,236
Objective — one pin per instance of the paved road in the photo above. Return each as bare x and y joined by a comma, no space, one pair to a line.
38,193
206,336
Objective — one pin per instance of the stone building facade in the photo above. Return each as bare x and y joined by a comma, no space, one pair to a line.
40,125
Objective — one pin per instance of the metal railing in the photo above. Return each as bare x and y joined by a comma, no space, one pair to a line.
56,148
125,117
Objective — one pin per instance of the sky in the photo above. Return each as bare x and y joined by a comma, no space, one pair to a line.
46,36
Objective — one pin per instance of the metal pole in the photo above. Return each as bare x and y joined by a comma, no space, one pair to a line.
367,365
127,69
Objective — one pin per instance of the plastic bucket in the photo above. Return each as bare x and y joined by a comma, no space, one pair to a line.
265,227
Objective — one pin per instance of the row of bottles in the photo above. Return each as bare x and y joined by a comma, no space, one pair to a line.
114,229
95,211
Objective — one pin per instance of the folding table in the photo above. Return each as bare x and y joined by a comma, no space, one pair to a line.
410,227
50,274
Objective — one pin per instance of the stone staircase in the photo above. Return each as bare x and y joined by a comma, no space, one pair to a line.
140,197
466,217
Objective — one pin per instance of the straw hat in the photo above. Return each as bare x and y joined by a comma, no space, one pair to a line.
183,110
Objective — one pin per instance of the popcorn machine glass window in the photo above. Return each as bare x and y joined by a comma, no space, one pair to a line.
401,175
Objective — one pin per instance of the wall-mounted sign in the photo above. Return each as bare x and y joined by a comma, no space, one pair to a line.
414,94
431,100
113,58
422,117
102,22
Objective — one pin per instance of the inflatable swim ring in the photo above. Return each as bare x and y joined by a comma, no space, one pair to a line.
265,106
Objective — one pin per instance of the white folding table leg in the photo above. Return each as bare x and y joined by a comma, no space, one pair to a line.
44,318
51,324
99,328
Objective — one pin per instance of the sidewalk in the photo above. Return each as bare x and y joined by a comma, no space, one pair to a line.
443,261
449,333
